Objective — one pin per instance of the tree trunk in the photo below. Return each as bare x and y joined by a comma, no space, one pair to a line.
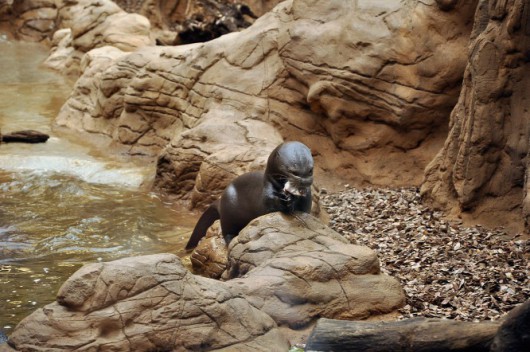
425,335
419,334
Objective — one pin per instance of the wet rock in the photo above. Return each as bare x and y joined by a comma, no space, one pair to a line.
143,304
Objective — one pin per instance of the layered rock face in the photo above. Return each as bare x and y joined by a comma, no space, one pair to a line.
483,166
76,27
370,83
282,271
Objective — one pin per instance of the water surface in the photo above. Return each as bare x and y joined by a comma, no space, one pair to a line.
62,203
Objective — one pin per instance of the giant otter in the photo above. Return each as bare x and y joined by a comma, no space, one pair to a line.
284,186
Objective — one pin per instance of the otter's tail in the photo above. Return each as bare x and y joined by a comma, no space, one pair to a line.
205,221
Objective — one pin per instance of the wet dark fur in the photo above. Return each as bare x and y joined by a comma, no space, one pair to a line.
258,193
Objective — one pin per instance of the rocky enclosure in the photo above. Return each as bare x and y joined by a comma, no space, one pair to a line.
368,86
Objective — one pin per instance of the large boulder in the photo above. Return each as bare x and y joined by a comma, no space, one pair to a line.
99,23
283,271
87,24
296,270
146,303
482,169
371,83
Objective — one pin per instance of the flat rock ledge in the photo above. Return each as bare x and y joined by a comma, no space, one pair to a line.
282,271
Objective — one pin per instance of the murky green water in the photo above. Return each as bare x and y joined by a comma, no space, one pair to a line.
61,203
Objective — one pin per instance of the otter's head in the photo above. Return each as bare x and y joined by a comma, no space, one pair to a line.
290,168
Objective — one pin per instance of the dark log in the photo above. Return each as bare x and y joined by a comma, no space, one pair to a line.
28,136
514,333
417,334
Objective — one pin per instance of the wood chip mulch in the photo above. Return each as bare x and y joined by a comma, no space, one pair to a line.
447,270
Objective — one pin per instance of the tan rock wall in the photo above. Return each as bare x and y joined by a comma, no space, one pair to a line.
371,83
483,165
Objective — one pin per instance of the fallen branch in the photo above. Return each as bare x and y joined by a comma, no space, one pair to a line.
422,334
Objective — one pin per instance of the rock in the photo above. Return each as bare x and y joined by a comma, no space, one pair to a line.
143,304
307,71
122,30
102,89
34,20
228,147
5,7
296,269
210,257
63,57
481,169
283,270
91,24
